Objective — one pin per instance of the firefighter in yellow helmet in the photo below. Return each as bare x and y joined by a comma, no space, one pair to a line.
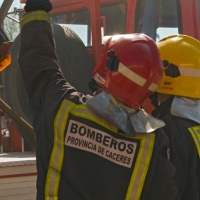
100,147
177,102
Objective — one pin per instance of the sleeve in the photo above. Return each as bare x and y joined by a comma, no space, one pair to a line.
44,81
160,178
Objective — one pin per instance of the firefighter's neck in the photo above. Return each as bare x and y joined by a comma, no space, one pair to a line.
162,97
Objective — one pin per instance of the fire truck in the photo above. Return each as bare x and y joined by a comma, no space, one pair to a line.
79,27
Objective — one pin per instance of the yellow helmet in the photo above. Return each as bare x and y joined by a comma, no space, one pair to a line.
181,61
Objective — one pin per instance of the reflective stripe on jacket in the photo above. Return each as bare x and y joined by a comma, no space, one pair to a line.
137,159
195,132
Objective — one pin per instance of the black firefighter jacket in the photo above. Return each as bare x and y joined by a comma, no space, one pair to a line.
183,150
80,156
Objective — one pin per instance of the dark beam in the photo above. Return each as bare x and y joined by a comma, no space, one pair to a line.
4,9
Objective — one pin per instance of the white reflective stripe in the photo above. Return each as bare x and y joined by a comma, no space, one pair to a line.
153,87
185,71
131,75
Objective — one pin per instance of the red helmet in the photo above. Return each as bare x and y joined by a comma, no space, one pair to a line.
130,68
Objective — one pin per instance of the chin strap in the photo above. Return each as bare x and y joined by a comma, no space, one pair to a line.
154,99
93,85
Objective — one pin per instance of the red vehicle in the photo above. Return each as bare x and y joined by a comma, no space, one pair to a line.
79,26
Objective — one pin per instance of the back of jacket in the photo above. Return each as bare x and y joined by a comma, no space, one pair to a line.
184,155
80,155
184,140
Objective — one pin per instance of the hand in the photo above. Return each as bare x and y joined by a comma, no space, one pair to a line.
33,5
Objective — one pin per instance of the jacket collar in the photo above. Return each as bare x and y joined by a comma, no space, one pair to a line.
180,107
186,108
127,119
163,109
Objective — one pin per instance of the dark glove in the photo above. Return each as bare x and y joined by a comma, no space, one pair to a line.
33,5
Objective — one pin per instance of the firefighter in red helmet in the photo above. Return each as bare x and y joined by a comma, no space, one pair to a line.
99,147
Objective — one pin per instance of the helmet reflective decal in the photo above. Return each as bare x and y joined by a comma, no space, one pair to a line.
189,72
153,87
131,75
99,79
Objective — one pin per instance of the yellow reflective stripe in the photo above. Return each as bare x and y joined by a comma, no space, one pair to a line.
195,132
35,15
84,111
57,155
141,167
